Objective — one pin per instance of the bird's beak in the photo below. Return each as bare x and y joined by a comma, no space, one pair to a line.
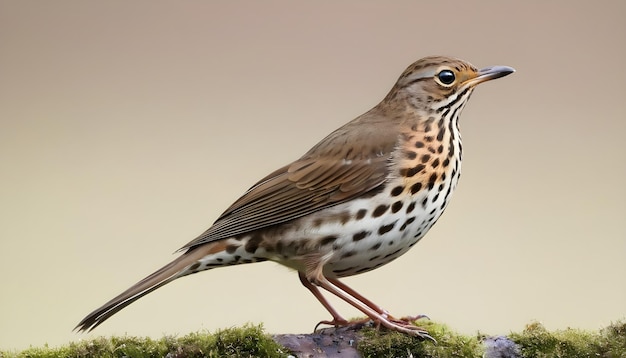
491,73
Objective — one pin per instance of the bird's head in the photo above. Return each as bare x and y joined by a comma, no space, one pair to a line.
442,79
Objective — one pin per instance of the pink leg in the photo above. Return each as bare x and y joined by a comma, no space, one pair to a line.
337,319
357,295
372,305
372,310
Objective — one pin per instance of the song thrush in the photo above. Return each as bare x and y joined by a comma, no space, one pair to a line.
357,200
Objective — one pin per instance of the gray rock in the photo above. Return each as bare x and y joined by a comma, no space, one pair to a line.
500,347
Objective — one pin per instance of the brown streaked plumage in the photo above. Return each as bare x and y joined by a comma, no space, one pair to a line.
357,200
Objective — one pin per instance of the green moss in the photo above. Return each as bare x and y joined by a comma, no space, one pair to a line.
248,341
536,342
612,342
392,344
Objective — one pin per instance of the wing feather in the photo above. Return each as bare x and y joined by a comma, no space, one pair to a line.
322,178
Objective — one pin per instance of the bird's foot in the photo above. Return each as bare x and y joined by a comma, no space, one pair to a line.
405,325
335,323
354,324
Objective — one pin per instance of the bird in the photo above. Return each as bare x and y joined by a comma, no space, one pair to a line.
357,200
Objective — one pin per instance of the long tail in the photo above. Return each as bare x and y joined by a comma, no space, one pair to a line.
168,273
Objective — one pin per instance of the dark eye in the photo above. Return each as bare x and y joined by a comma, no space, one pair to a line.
446,77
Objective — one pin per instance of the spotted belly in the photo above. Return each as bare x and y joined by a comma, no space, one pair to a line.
379,234
349,238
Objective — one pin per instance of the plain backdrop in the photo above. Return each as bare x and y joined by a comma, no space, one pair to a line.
126,128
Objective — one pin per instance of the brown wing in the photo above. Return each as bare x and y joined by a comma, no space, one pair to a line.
344,165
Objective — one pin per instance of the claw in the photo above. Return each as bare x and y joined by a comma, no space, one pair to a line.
340,322
407,328
334,323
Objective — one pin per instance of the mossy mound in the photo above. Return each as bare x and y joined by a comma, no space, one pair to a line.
251,341
247,341
382,344
536,342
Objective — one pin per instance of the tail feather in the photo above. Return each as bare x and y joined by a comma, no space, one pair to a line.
164,275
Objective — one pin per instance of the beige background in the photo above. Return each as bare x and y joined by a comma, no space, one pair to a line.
128,127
